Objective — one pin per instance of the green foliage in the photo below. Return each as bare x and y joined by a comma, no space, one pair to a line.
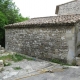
17,68
18,57
3,21
14,57
7,57
60,61
9,14
7,64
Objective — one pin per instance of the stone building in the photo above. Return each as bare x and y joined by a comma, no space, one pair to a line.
69,8
46,37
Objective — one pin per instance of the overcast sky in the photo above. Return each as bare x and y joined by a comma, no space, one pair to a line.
38,8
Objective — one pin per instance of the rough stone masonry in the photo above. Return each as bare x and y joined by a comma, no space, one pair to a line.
46,37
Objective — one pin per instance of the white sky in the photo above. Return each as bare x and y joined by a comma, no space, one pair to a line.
38,8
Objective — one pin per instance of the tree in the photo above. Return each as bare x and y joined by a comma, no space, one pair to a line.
11,11
9,14
3,21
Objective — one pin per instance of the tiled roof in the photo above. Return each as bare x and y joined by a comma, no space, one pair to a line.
63,19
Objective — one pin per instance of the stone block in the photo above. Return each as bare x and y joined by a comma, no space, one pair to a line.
1,65
2,51
78,61
0,47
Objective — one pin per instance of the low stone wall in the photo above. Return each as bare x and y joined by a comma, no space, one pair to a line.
41,42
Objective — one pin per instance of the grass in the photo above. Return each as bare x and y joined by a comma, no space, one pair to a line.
15,57
17,68
7,57
60,61
7,64
18,57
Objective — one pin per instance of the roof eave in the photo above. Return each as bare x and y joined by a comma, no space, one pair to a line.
39,25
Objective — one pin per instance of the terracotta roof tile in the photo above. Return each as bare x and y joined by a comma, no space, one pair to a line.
49,20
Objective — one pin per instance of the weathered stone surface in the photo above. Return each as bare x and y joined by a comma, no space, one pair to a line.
0,47
1,65
78,61
42,42
2,50
69,8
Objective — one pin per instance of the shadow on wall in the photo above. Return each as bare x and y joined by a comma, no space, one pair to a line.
2,37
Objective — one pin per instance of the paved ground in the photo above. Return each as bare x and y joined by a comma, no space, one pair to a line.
40,70
68,74
28,68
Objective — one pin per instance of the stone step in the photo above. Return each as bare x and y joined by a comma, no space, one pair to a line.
2,51
1,48
1,65
78,61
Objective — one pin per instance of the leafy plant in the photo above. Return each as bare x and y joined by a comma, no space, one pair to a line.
9,14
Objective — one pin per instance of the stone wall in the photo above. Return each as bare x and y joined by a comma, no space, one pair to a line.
69,8
78,39
42,42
